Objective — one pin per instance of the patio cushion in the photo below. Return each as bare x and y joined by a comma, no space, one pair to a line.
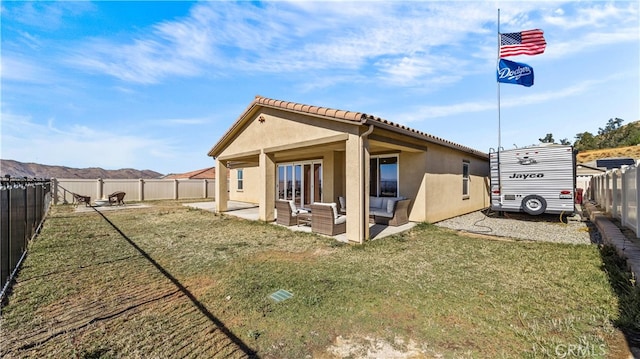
391,204
334,208
340,220
293,207
343,203
375,202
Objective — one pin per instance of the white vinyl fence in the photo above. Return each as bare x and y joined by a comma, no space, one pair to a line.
135,189
616,191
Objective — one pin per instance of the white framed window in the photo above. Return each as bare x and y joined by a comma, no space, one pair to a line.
465,179
383,176
240,178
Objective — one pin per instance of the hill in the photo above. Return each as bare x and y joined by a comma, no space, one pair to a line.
613,135
35,170
592,155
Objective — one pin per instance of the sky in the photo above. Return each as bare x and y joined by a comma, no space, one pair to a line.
155,84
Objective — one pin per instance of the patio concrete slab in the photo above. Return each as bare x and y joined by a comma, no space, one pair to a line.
250,211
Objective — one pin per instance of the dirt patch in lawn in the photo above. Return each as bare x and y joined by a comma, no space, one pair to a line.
370,348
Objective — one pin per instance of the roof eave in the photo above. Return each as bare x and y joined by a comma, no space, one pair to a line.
422,136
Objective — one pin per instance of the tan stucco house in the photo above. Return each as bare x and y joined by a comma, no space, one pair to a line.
285,150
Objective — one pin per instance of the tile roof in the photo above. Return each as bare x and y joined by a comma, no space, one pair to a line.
205,173
362,118
313,110
357,118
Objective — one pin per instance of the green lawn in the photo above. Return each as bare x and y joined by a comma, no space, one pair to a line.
186,283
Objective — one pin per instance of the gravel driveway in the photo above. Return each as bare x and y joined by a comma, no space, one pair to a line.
546,228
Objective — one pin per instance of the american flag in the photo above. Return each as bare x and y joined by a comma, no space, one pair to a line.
529,42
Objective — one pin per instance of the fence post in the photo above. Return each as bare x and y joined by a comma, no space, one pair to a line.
99,189
175,189
140,189
26,216
54,185
603,190
204,188
614,193
609,195
624,173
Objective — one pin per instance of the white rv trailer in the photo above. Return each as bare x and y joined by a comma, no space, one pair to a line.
534,180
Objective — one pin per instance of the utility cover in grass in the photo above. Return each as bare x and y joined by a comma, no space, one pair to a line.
280,295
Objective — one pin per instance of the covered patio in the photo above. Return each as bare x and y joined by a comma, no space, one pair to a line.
250,211
279,150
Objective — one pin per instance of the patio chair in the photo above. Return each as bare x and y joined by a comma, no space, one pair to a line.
400,213
326,219
117,198
343,205
78,198
287,212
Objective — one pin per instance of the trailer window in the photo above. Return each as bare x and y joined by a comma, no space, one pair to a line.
465,179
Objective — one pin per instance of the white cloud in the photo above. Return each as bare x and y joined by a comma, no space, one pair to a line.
601,15
397,43
145,61
591,41
280,39
421,113
78,145
48,15
18,68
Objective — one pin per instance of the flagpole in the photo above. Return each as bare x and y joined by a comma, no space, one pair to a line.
499,134
498,82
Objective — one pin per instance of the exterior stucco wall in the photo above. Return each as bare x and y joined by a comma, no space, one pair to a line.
250,192
412,183
328,177
431,178
338,178
443,183
280,128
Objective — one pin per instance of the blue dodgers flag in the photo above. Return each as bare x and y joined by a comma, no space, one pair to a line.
515,73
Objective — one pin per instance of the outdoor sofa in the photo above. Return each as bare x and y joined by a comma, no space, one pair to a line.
392,211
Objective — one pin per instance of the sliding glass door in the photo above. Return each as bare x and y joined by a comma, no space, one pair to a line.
300,182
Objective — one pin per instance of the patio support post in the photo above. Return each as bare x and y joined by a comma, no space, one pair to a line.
357,193
268,187
222,190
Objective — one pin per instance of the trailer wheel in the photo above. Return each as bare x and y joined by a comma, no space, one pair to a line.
534,205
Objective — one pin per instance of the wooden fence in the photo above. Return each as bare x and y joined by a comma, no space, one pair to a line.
135,189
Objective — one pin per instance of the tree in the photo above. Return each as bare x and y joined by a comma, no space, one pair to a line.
547,139
612,125
565,141
586,141
610,135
